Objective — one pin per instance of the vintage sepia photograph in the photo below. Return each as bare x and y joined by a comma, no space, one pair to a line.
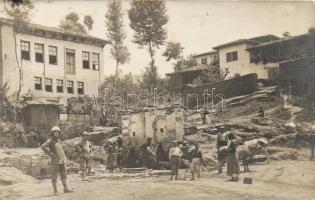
157,99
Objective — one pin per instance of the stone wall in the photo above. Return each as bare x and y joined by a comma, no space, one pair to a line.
223,89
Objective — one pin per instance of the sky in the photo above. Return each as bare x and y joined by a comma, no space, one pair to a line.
197,25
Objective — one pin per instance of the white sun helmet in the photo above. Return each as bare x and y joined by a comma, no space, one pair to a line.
55,128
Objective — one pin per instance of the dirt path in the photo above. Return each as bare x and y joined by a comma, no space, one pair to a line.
289,180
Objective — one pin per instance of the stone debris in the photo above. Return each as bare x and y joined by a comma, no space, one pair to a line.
31,162
11,135
11,175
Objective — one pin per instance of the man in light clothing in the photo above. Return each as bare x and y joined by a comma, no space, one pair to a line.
53,148
175,155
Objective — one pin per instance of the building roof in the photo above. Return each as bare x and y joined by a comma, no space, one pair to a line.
56,33
280,40
205,54
254,41
239,41
265,38
188,70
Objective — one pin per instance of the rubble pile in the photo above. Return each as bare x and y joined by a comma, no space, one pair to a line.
72,130
263,138
69,147
31,162
11,135
11,175
99,134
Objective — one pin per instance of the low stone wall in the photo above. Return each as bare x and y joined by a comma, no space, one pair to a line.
223,89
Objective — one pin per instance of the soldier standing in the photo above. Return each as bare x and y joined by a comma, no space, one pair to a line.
85,150
53,148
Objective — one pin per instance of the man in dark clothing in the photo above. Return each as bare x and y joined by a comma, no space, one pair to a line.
232,161
53,148
120,152
261,112
195,162
220,143
132,153
312,141
204,115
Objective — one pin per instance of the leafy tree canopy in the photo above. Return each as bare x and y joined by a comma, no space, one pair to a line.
71,23
173,51
148,19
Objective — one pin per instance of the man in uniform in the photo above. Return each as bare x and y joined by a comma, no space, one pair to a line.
85,150
175,155
53,148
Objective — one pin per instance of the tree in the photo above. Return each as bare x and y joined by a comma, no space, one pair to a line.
116,34
173,51
148,19
185,63
71,23
88,22
19,11
286,34
214,73
311,29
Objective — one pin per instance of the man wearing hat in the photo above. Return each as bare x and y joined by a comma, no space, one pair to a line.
85,150
175,155
53,148
196,161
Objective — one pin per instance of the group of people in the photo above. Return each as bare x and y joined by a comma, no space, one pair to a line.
176,155
54,149
114,155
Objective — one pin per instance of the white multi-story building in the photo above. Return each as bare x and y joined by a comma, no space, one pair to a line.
49,62
236,57
208,58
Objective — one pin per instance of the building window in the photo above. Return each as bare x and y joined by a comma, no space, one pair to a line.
25,50
86,60
70,61
52,55
48,85
70,87
232,56
59,86
38,83
95,61
39,53
80,88
204,61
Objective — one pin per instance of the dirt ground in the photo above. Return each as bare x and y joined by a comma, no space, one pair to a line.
289,180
